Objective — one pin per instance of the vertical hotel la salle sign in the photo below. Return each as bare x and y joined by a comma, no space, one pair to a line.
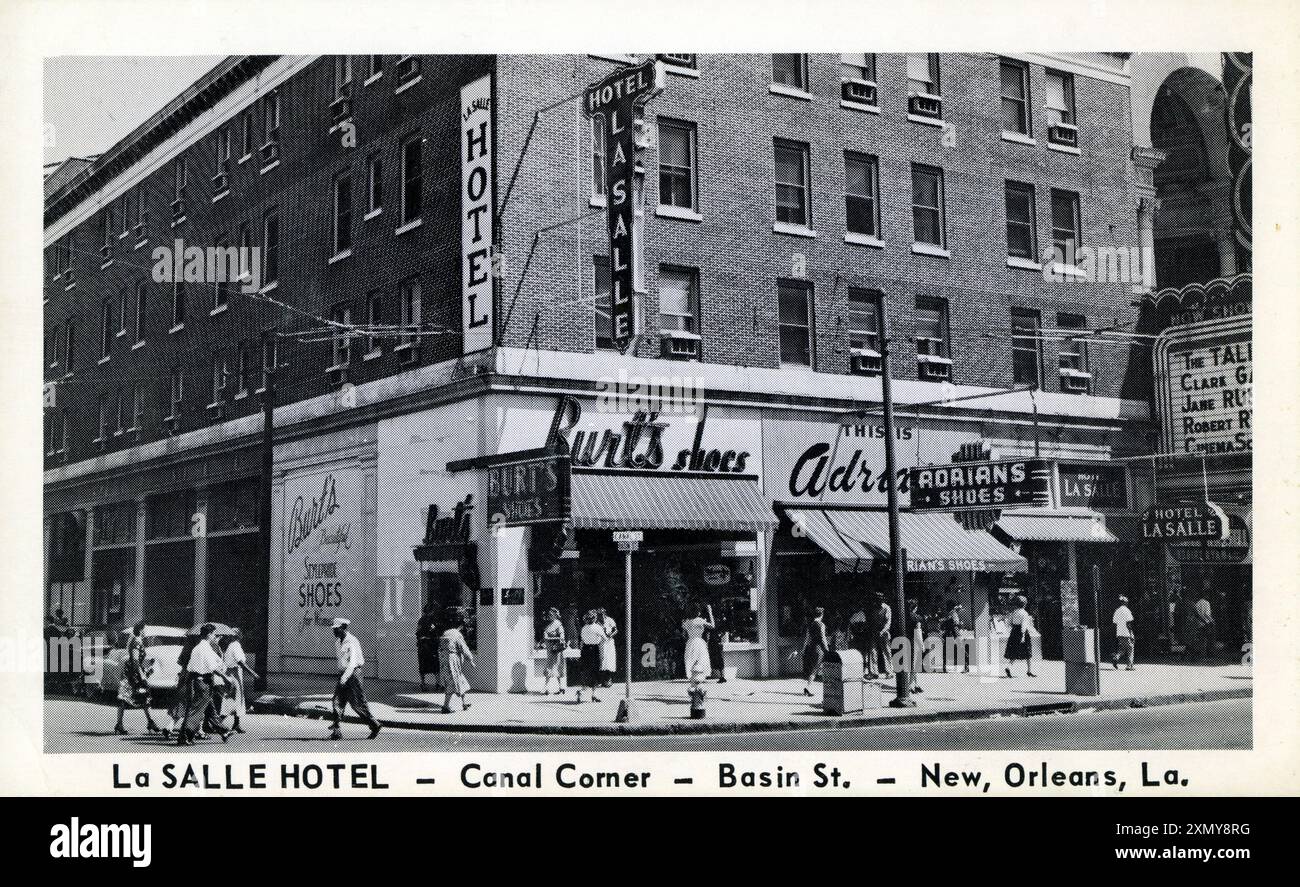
476,304
614,101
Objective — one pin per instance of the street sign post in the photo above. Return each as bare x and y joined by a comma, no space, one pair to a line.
628,541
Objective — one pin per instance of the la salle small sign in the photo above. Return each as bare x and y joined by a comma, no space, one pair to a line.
1197,522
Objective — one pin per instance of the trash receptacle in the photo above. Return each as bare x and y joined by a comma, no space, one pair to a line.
1081,677
842,682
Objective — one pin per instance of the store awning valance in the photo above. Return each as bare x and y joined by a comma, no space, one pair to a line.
628,501
934,542
1054,525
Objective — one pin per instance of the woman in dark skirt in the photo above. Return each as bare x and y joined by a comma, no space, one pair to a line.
593,636
1020,644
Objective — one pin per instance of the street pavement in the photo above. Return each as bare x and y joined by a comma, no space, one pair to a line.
73,725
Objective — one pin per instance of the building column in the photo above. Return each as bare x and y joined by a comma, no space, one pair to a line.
1145,161
199,530
133,604
89,580
1219,193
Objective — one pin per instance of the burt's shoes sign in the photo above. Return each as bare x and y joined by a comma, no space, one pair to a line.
1203,522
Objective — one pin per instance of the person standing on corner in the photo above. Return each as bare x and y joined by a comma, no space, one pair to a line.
915,625
1124,638
593,638
882,624
347,650
426,644
454,655
815,646
608,656
716,664
1020,643
554,642
952,637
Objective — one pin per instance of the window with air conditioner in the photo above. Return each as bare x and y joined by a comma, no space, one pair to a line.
677,59
923,96
1062,124
1073,354
679,312
932,355
866,313
858,78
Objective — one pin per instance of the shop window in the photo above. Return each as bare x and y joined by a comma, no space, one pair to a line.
115,524
170,515
452,596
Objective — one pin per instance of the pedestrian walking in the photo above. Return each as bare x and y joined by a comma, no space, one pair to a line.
1020,642
717,665
554,642
236,663
696,654
592,636
814,648
349,689
133,687
203,674
426,644
454,655
915,625
882,625
1125,641
1201,620
608,656
952,625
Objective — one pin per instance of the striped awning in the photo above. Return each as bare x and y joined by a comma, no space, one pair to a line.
626,501
1055,525
934,542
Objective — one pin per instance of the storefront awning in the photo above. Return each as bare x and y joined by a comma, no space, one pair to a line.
934,542
641,502
1055,525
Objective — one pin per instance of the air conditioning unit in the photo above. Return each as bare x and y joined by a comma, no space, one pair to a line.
1063,134
67,276
861,91
178,208
341,108
221,182
678,345
865,362
680,59
270,151
922,104
409,356
1075,381
106,251
171,424
142,226
337,374
408,67
216,410
933,369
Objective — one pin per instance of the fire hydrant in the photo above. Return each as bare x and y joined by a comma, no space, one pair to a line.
697,694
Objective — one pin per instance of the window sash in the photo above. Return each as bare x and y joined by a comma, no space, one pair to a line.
342,214
932,324
412,173
927,205
858,66
341,343
597,158
270,249
106,328
603,308
410,302
374,309
375,184
1015,97
141,303
791,165
923,73
794,311
864,320
860,194
1065,221
178,302
1060,97
1026,348
677,165
790,69
1021,227
678,300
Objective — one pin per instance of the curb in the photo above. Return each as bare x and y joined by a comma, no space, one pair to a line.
287,706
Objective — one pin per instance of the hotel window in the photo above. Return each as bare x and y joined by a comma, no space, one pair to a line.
932,357
1015,96
1026,348
679,299
1066,236
927,205
69,340
1073,354
178,303
412,171
242,370
270,118
177,393
342,214
340,343
222,152
604,323
795,321
1022,241
861,194
866,309
270,359
597,159
374,185
342,75
923,73
676,164
790,69
246,134
108,231
137,407
119,423
270,249
123,307
374,317
141,303
103,419
225,269
106,329
180,177
126,214
141,211
858,66
1060,98
376,63
791,162
409,296
219,371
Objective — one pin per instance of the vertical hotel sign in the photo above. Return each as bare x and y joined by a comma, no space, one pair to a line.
476,221
614,101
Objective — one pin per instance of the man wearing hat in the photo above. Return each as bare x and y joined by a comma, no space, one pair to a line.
1124,639
347,649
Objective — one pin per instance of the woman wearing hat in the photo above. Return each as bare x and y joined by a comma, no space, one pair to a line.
593,638
1019,644
554,642
236,663
133,688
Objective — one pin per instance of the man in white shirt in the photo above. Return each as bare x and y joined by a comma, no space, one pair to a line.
203,671
347,649
1124,639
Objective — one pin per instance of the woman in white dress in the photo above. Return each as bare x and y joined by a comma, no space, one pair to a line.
236,664
454,657
608,661
697,649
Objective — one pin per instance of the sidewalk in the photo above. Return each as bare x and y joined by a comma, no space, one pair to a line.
779,704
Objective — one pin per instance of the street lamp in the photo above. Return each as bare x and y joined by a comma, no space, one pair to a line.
897,556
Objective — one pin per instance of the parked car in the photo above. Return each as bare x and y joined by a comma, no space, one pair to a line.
162,645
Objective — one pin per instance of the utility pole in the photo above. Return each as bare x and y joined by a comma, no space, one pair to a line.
269,360
902,676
